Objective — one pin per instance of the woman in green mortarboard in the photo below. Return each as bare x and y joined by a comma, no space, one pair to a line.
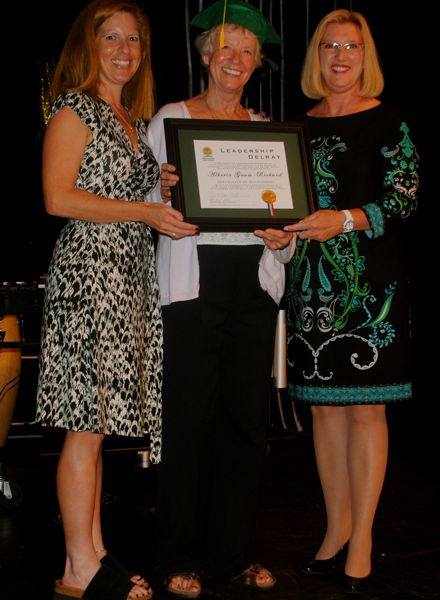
219,293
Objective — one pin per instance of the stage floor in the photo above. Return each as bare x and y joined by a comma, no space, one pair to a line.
406,561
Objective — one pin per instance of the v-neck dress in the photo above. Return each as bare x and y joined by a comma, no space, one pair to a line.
348,301
101,345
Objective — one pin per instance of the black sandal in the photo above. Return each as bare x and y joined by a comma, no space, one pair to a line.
112,563
105,585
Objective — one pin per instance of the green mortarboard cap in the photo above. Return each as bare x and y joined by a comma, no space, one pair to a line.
240,13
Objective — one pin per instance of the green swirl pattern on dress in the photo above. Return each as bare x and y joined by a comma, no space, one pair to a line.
326,182
346,268
402,177
345,300
401,181
340,269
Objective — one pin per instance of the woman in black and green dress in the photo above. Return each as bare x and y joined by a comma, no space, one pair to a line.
348,330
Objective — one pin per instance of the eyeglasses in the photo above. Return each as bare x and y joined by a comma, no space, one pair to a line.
336,46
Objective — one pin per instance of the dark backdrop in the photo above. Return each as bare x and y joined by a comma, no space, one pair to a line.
401,35
406,48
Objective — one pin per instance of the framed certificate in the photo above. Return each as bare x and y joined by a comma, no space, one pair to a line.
240,175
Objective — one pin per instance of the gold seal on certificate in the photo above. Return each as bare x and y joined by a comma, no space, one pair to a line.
269,197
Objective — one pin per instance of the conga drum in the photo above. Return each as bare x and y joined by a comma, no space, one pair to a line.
10,366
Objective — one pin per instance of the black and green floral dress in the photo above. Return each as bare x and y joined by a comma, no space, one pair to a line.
348,310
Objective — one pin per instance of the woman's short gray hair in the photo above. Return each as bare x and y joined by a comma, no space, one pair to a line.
207,41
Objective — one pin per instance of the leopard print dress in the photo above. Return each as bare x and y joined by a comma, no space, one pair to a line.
101,345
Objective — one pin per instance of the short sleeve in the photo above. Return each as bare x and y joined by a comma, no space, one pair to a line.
84,106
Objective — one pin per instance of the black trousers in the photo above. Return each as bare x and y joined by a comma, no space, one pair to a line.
218,356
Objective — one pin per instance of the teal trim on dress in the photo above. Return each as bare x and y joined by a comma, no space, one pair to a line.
374,394
376,219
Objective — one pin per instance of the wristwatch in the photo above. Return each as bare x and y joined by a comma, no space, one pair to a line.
348,223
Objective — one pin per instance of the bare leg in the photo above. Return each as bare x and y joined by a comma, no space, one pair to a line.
77,483
330,434
98,541
351,446
367,460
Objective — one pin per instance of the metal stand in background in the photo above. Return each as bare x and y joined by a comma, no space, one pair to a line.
144,458
279,374
10,493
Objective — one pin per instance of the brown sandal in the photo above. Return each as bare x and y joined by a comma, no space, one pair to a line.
248,579
185,592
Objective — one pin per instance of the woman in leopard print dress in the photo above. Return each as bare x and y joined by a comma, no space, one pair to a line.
101,349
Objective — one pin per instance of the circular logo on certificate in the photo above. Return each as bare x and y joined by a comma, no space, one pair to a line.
207,151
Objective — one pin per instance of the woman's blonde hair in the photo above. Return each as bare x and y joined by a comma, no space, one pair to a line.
312,83
78,65
208,41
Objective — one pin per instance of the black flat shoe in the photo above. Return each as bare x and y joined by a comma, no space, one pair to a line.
356,585
327,566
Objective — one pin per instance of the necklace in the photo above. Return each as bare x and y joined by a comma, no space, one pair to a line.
123,116
215,116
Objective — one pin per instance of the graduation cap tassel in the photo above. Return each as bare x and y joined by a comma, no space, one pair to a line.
222,31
